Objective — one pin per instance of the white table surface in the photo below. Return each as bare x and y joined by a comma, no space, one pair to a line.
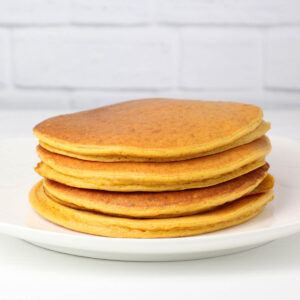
29,272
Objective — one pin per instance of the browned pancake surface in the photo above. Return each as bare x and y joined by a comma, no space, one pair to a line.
160,199
160,124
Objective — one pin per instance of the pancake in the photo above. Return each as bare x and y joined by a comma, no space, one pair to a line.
100,184
149,176
225,216
259,189
141,208
161,204
253,135
155,129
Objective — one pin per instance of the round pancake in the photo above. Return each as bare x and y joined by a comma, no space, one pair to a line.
100,184
225,216
149,176
268,181
151,128
253,135
158,205
170,206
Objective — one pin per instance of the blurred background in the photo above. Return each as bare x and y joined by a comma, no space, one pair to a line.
77,54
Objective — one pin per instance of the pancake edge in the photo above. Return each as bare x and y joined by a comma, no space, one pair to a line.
98,184
172,210
189,151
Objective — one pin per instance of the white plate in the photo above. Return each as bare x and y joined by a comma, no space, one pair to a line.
279,219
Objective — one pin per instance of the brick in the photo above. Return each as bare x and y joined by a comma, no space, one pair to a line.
252,12
109,11
94,58
282,68
4,59
34,12
221,59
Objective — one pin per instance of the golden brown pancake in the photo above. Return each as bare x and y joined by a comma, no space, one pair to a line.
99,184
149,176
253,135
225,216
162,129
161,204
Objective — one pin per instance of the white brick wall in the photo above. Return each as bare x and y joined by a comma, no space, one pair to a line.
221,59
85,53
250,12
110,11
27,12
283,58
3,59
82,58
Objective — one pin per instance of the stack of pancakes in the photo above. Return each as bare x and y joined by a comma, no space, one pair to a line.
153,168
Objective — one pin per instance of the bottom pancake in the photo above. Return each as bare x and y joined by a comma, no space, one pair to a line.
225,216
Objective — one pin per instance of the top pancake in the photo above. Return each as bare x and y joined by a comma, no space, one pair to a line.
157,129
253,135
